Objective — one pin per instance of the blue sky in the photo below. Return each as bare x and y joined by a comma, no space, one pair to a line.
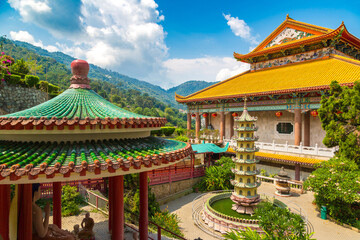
165,42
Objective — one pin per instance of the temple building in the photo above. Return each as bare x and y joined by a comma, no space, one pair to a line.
289,73
77,135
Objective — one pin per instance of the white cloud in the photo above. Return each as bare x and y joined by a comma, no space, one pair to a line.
240,28
25,36
207,68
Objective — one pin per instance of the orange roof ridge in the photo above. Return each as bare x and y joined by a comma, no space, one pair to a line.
289,21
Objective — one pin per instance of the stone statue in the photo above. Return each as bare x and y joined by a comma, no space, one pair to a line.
42,230
87,225
76,231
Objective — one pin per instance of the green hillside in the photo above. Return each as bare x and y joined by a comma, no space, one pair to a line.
123,81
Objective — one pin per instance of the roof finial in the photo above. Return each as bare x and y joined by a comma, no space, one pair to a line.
245,99
287,16
80,70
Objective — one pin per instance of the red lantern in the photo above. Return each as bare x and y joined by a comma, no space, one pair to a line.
194,115
205,115
278,114
235,114
314,113
339,112
214,114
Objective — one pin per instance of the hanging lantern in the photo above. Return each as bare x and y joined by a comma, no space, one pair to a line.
314,113
235,114
205,115
278,114
193,115
214,114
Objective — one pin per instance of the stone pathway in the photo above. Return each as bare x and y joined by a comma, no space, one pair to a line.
324,229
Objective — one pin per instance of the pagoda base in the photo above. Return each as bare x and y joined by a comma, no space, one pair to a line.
245,201
242,209
283,194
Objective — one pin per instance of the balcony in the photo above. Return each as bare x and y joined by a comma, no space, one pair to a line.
292,149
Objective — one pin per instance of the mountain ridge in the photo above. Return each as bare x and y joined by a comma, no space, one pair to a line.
124,81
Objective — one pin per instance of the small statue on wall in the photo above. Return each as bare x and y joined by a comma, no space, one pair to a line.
87,225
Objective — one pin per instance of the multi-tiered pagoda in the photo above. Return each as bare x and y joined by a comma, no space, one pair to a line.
245,194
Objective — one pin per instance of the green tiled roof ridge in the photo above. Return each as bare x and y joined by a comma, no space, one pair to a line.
76,103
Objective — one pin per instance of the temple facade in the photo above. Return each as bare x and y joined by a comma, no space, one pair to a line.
289,73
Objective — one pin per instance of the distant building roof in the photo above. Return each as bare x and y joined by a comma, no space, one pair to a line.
208,148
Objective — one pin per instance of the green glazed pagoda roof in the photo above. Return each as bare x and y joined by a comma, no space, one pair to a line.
208,148
18,159
76,106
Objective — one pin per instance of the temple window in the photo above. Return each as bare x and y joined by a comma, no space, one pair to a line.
242,125
248,157
249,193
242,135
248,180
241,168
248,169
241,156
247,125
240,192
247,145
284,128
253,168
247,135
240,179
241,145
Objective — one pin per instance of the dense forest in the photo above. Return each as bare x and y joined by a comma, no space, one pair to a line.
54,72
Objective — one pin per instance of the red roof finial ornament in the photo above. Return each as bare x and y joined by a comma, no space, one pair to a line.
278,114
80,70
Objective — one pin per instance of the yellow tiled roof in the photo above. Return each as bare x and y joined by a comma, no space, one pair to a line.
316,74
288,158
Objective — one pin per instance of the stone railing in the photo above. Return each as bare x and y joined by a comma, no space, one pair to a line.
316,151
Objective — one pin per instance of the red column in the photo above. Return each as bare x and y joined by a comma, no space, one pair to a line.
118,208
297,171
25,212
111,190
297,121
188,121
231,126
57,204
207,121
222,125
197,126
143,221
4,210
307,129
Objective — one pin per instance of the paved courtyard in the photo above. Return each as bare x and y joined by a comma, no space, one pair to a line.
324,229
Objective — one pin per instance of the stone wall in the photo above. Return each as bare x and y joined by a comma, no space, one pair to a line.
167,189
16,98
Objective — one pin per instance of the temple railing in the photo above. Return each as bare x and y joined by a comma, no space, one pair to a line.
93,200
316,151
168,175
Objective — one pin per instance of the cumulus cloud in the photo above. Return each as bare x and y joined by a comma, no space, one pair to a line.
25,36
122,35
61,18
207,68
240,28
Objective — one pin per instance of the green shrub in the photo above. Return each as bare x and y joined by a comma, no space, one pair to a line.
169,221
12,79
180,131
70,201
157,132
182,138
31,80
52,88
43,85
168,131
